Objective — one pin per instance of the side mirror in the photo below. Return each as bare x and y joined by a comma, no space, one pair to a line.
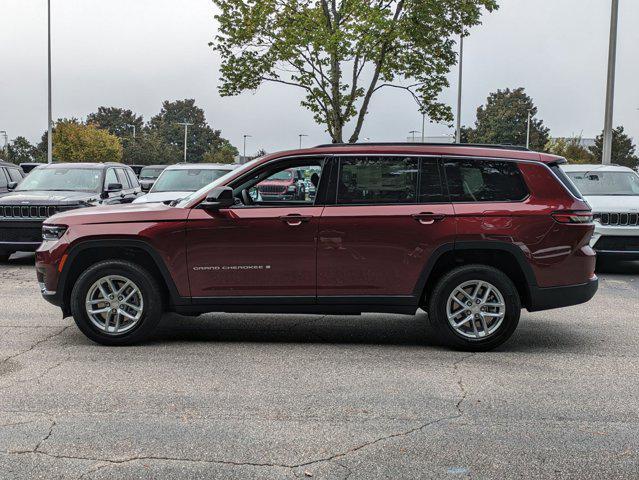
12,185
114,187
146,186
218,198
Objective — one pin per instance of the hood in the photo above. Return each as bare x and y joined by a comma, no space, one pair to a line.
48,198
160,197
613,203
129,213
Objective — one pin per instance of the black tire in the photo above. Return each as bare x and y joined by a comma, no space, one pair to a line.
151,294
438,318
4,256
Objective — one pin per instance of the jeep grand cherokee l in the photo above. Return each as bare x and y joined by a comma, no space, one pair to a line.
56,188
470,234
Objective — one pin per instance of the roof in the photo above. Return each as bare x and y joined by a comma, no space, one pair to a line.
464,150
8,164
150,166
84,165
201,166
595,167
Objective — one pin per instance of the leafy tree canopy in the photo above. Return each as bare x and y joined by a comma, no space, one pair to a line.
201,137
118,121
340,53
623,150
150,149
571,149
225,154
504,120
21,150
76,142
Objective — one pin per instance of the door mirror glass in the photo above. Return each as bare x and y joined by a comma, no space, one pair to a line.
219,198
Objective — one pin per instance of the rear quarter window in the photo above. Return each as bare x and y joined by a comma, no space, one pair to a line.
485,181
565,179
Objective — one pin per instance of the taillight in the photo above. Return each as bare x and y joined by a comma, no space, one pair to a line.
583,216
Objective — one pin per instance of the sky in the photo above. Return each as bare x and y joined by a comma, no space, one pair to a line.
137,53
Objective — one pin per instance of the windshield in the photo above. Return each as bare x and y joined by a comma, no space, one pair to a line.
220,181
283,175
62,179
150,173
186,180
606,183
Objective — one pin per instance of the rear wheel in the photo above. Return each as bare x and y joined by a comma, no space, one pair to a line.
475,308
116,303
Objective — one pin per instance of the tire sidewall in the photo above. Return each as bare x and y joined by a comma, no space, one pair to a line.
438,307
150,295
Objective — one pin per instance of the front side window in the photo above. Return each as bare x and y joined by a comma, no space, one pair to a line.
62,179
606,183
377,180
186,179
3,179
14,174
110,178
484,181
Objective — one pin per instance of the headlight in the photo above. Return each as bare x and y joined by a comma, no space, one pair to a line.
292,188
53,232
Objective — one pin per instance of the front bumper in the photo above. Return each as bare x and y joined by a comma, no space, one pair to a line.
558,297
616,241
20,236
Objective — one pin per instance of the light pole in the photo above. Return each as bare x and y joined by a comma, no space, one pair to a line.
413,132
301,135
186,132
459,87
245,136
610,89
6,143
50,116
528,131
133,126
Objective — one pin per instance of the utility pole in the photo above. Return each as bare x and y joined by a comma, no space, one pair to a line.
413,132
610,89
301,135
186,133
245,136
528,131
50,116
6,143
459,87
423,127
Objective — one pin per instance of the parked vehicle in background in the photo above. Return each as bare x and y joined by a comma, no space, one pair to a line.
178,181
460,231
27,167
137,169
59,187
10,176
613,194
148,175
285,185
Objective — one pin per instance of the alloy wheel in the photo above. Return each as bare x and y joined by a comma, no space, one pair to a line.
114,304
476,309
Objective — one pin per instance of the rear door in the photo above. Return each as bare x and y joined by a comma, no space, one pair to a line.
389,214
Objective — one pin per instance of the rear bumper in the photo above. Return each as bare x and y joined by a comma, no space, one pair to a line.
558,297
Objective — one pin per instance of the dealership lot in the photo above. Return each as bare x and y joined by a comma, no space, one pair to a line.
267,396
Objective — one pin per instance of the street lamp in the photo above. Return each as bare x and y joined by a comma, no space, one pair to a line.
186,132
6,143
50,119
133,127
528,131
414,132
245,136
301,135
459,87
610,89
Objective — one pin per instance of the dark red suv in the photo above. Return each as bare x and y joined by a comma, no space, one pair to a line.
471,234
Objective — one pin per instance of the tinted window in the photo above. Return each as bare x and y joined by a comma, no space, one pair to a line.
561,175
431,188
110,178
187,179
484,181
366,180
3,179
14,174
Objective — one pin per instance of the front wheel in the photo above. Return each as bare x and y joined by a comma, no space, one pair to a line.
474,308
116,303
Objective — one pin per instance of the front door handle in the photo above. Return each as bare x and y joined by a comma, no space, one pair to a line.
295,220
428,218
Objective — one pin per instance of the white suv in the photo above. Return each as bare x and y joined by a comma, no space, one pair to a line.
613,194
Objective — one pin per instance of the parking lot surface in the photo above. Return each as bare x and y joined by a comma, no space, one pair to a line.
268,396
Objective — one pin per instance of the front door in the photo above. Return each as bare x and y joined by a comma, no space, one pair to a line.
260,248
389,214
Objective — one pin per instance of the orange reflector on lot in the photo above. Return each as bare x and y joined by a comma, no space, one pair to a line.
62,262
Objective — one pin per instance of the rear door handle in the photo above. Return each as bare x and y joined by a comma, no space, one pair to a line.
295,220
428,218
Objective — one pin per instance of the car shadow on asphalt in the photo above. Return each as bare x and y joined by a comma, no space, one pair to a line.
617,267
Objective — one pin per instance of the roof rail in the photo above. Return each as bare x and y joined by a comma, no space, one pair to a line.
419,144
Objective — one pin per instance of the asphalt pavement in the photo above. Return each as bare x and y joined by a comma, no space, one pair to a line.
270,396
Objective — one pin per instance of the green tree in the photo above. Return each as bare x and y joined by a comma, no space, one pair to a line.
225,154
21,150
623,150
77,142
150,149
571,149
201,137
504,120
118,121
340,53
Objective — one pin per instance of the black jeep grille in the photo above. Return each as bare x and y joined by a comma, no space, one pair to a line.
28,211
276,189
17,234
618,244
618,219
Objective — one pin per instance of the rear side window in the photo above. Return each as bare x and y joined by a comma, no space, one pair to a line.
565,179
377,180
484,181
431,187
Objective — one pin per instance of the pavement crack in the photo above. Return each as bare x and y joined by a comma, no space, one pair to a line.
35,345
460,382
